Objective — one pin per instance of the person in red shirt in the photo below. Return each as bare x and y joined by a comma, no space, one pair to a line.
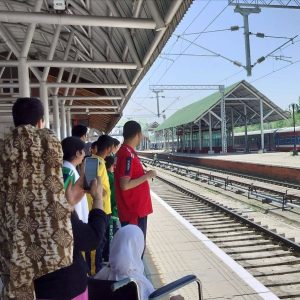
131,181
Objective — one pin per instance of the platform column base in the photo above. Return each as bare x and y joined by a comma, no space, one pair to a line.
211,152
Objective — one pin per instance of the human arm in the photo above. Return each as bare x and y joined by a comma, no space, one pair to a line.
126,183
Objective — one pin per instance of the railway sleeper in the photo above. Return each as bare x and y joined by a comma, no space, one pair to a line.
268,255
251,250
274,264
237,243
277,273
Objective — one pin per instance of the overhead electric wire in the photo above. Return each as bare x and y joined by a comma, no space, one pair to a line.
210,23
206,49
190,24
261,59
275,71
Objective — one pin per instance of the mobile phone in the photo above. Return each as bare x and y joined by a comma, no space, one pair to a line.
90,171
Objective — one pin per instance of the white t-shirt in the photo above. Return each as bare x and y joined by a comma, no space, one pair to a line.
81,207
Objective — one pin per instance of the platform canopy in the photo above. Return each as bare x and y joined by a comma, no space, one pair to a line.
83,60
240,98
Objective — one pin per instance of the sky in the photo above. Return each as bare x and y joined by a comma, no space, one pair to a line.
277,77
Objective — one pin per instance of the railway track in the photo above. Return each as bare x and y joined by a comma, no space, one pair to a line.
268,256
266,191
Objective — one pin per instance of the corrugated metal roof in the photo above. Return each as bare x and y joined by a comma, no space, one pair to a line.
241,89
192,112
102,44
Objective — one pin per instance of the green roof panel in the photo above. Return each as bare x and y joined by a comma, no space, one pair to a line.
195,110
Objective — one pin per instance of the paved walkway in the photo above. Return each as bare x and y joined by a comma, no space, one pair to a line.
176,249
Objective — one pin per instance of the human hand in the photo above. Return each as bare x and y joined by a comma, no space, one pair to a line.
151,174
96,192
74,193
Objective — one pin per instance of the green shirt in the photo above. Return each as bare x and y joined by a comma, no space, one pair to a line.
113,202
69,176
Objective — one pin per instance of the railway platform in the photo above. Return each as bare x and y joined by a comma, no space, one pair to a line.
176,248
280,166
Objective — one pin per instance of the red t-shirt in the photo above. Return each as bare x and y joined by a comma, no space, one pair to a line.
136,202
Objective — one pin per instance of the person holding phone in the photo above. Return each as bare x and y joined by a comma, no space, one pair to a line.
74,153
71,282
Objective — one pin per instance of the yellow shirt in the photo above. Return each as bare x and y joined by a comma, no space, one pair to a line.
102,172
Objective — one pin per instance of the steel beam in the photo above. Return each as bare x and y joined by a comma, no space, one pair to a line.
56,119
76,20
70,85
91,107
9,40
291,4
44,99
51,52
129,41
30,31
23,75
95,113
82,64
84,98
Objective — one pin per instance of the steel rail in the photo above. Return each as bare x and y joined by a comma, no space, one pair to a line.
219,207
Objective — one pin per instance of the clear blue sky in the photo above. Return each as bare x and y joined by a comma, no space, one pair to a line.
282,87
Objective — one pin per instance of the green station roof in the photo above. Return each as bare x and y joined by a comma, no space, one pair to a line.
239,90
195,110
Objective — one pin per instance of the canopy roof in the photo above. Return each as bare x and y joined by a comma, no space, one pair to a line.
95,42
237,96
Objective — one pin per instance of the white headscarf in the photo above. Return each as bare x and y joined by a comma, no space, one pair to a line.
125,260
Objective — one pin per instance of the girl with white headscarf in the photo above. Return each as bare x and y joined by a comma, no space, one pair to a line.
125,259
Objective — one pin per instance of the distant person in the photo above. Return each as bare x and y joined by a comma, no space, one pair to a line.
73,149
131,181
35,234
94,148
125,261
81,132
115,147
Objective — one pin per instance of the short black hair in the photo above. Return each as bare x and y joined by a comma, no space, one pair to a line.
104,141
79,130
70,146
94,144
116,142
109,161
27,111
131,129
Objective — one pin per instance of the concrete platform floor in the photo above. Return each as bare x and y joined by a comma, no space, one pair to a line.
175,248
281,159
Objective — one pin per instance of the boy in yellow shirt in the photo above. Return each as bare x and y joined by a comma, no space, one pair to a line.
104,148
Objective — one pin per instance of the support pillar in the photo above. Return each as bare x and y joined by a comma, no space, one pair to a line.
191,141
262,138
56,121
200,136
246,129
232,128
45,101
210,134
223,125
173,146
69,126
23,75
63,120
183,139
